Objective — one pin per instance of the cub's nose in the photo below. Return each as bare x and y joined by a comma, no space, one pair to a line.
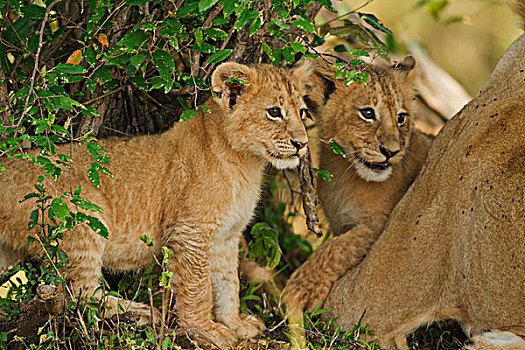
299,145
388,153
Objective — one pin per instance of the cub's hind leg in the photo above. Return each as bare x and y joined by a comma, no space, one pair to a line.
85,250
225,285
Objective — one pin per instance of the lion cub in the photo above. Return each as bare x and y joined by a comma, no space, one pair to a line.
373,124
193,189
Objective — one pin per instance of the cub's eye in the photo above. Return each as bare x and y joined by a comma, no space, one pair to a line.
402,118
303,112
274,113
368,114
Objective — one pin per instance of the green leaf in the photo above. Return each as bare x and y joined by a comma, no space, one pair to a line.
356,62
95,224
205,48
245,16
341,48
304,25
29,196
298,47
94,177
77,191
146,239
16,6
188,114
216,34
206,4
325,175
60,209
288,54
164,63
32,11
255,25
137,2
336,148
229,7
187,9
137,60
280,23
102,170
357,52
98,153
220,56
71,68
134,39
34,220
374,22
85,204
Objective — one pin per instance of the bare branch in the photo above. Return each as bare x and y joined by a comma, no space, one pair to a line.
308,188
37,57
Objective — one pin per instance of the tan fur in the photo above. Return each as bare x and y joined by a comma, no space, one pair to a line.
361,199
453,247
193,188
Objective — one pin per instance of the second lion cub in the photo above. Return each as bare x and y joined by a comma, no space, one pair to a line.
373,124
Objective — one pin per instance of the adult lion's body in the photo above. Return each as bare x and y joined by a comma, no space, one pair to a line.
192,189
383,154
453,247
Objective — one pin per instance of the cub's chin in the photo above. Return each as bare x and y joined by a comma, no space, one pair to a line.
374,175
284,163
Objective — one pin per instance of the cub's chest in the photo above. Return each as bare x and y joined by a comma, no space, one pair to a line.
238,214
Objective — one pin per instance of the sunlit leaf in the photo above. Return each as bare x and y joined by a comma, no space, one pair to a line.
98,153
206,4
188,114
373,21
75,58
164,63
103,40
220,56
60,208
304,25
325,175
94,177
336,148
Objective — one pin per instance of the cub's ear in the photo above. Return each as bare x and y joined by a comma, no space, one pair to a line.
317,83
405,68
229,81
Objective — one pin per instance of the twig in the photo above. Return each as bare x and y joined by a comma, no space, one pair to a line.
349,12
37,57
151,313
194,66
211,16
308,188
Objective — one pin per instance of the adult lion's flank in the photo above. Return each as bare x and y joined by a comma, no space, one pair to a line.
193,189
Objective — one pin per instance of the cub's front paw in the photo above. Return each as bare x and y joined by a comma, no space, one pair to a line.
246,326
305,292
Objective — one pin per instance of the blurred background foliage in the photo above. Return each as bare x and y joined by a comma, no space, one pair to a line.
464,37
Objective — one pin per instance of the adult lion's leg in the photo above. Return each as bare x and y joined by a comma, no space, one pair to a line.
190,264
310,284
225,285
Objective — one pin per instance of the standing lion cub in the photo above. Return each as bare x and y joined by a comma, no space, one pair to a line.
373,124
193,189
